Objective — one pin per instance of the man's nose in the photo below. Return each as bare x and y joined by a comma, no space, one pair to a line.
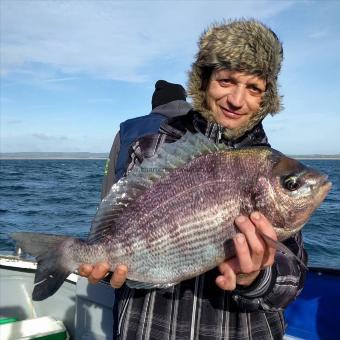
237,96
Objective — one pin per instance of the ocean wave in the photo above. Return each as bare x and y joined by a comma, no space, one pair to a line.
13,187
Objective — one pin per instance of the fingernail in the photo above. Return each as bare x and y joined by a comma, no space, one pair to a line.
240,238
220,280
256,215
121,271
240,219
102,267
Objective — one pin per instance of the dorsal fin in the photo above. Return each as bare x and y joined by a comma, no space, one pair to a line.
170,157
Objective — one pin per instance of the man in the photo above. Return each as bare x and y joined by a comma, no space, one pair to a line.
233,85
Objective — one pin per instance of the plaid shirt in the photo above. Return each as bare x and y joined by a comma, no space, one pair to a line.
198,308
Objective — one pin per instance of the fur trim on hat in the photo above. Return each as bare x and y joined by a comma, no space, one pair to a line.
244,46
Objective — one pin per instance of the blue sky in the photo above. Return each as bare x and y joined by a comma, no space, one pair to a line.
71,71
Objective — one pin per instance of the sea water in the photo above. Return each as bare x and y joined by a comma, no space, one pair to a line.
61,197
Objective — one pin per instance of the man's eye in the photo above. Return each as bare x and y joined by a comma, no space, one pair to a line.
225,82
255,90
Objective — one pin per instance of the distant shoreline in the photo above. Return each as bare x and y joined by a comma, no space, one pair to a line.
51,158
316,158
53,155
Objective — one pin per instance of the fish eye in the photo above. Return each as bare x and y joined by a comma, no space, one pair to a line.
291,183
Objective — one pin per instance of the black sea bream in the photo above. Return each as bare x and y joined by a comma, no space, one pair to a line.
170,218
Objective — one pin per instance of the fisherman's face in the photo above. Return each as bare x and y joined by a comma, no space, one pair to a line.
234,97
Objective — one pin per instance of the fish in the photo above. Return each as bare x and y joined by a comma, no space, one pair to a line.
172,217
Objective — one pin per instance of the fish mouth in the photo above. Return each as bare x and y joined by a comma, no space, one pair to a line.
321,191
325,186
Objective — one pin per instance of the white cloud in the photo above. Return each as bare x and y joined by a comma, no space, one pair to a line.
45,137
14,121
320,34
110,39
100,100
40,142
57,80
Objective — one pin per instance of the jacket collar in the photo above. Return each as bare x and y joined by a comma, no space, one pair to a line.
214,131
172,109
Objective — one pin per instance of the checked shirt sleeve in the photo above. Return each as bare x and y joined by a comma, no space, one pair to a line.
278,285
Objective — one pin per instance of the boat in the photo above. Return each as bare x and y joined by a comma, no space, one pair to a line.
85,310
315,313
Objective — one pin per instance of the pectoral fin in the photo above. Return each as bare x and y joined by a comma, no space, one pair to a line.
282,248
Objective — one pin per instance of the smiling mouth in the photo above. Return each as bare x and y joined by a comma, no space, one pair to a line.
230,113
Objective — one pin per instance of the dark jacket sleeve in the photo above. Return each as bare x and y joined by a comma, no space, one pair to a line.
110,167
278,285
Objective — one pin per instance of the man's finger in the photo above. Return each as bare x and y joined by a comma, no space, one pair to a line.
99,271
269,257
254,242
227,281
232,263
243,254
119,276
264,225
85,270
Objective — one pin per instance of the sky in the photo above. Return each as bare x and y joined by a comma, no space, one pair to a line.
72,71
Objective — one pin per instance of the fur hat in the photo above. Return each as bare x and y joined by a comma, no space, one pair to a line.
245,46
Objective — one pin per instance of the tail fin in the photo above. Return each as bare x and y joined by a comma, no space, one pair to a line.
52,268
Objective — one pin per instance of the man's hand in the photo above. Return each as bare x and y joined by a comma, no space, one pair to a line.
252,252
100,270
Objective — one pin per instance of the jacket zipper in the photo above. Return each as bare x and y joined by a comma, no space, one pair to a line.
219,134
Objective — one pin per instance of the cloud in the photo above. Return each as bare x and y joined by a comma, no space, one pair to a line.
100,100
319,34
57,80
14,121
44,137
39,142
109,39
